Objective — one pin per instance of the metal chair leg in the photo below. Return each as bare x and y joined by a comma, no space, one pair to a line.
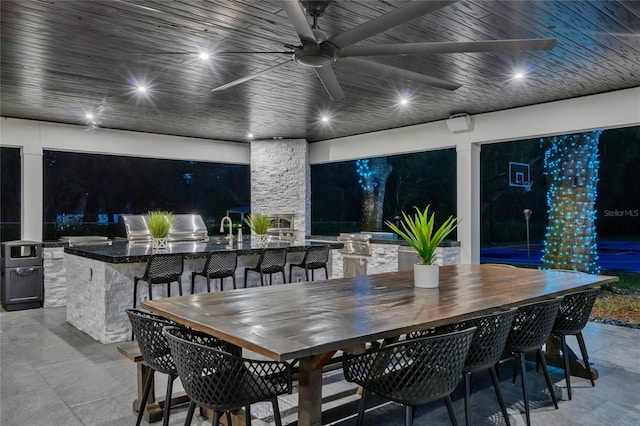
233,277
467,398
452,414
228,414
545,370
167,400
523,380
585,356
216,418
145,396
408,417
180,286
247,415
193,280
496,386
276,412
360,420
284,278
565,357
192,409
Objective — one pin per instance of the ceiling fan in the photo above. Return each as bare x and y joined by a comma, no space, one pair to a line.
319,51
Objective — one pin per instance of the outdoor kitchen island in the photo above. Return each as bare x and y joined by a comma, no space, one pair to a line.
100,279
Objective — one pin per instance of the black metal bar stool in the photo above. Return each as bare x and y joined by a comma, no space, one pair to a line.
219,265
161,269
315,257
271,260
215,376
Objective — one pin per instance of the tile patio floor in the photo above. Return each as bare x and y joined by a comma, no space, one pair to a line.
52,374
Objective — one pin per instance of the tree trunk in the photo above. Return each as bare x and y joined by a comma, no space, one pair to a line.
373,180
571,165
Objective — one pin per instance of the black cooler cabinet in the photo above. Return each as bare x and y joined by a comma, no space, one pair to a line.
21,275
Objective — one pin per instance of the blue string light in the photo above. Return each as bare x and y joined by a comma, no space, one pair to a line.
571,164
367,179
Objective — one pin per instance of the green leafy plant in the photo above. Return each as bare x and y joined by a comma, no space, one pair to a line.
159,223
419,232
258,222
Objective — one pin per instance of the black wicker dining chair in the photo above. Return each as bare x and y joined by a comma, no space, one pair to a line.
486,349
411,372
156,354
215,376
315,257
271,261
161,269
219,265
573,315
529,332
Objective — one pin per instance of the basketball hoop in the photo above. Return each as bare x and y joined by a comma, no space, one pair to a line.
527,185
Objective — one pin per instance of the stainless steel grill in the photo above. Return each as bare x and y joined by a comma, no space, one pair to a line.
85,240
359,244
187,227
355,254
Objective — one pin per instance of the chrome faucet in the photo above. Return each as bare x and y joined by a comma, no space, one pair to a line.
228,219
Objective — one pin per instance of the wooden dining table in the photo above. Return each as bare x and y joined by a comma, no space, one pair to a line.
311,321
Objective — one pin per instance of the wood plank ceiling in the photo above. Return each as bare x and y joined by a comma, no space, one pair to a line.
61,59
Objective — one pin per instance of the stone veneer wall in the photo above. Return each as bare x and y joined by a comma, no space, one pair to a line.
384,258
55,277
281,180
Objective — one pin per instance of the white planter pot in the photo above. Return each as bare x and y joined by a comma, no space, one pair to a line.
260,240
159,243
426,276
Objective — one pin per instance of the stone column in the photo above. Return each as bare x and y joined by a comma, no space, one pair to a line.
468,196
281,180
32,215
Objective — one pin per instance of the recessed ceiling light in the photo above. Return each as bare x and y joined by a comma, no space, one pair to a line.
204,56
141,88
89,116
250,135
325,118
404,100
518,75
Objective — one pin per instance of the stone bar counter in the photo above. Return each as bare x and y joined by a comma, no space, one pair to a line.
99,279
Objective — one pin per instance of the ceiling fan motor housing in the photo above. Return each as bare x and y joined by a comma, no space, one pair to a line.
315,56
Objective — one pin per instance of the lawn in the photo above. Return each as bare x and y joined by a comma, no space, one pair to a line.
621,300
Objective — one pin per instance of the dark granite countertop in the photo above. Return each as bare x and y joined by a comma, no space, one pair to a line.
392,241
122,252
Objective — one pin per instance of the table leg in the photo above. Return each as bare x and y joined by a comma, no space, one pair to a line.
576,365
310,389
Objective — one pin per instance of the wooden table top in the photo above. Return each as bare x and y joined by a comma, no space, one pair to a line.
291,321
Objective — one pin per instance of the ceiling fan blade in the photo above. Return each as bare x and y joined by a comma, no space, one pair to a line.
222,53
449,47
295,12
382,23
376,68
330,83
249,77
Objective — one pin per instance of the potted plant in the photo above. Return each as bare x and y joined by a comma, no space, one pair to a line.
259,224
419,232
159,223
